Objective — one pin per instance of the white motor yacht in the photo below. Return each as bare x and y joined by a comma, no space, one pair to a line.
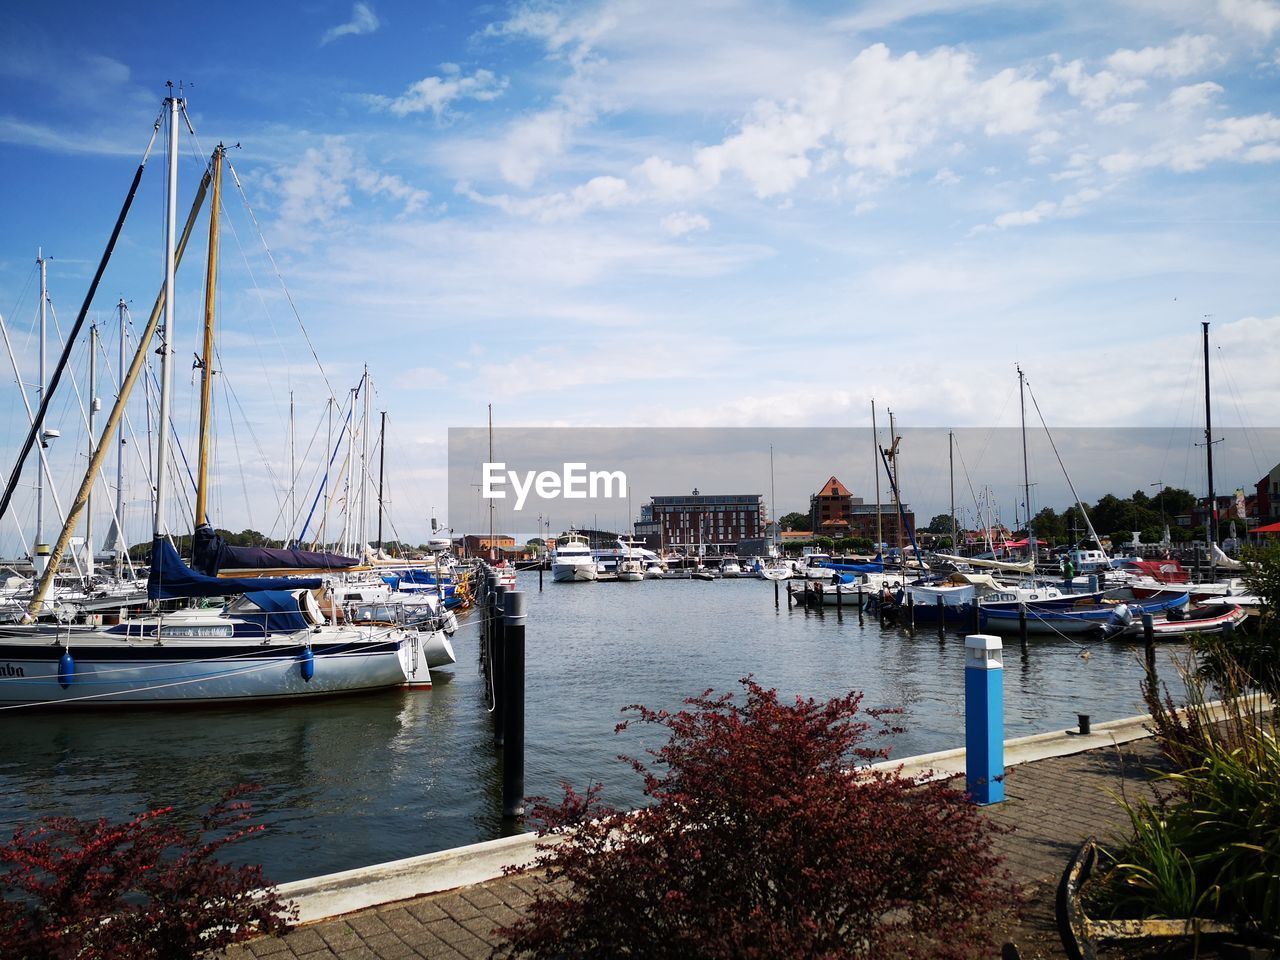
572,561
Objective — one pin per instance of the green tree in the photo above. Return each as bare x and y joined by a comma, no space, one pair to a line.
1050,527
939,524
795,521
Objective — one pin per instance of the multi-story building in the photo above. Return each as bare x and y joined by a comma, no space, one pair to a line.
701,523
1268,496
835,512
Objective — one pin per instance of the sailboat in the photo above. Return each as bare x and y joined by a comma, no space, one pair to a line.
271,641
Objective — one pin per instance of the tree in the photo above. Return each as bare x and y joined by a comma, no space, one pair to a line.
795,521
939,524
763,840
1049,527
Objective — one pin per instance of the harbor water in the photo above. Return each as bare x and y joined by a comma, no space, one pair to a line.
364,779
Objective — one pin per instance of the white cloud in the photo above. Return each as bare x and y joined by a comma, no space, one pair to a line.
1185,55
318,187
1194,96
1260,15
533,141
1118,113
363,20
1095,90
678,224
437,92
599,193
877,113
1070,206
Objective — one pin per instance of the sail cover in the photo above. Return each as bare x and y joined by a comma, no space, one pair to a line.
171,579
210,553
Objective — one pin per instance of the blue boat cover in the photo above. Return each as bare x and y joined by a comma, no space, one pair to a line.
279,608
210,553
876,566
171,579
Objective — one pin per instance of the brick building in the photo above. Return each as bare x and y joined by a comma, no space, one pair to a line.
835,512
699,521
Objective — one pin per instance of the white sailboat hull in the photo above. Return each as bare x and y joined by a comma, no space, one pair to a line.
109,671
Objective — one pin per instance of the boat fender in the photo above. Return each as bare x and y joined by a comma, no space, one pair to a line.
66,669
307,664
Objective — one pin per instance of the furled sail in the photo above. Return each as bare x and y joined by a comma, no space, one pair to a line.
171,579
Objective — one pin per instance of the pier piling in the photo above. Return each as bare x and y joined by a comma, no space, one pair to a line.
839,601
1149,647
513,617
498,660
942,620
1022,624
911,612
775,595
861,603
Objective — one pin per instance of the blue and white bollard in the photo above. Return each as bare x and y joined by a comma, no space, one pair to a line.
984,718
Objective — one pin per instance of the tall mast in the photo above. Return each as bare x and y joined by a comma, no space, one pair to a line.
875,469
1026,479
159,528
892,454
120,535
492,555
293,478
41,553
351,458
773,501
364,464
206,362
93,410
951,471
382,469
1208,452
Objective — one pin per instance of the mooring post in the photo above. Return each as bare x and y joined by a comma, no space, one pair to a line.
1149,647
1022,623
942,620
790,599
775,595
911,611
839,600
861,601
540,569
513,616
1093,583
498,668
984,718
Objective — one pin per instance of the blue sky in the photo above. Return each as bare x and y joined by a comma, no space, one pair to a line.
665,214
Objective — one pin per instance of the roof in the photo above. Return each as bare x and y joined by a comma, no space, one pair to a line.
841,489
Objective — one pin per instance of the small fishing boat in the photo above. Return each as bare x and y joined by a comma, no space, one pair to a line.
1210,619
1085,616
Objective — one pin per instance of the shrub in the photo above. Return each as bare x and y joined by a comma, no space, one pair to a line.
761,841
1210,847
127,891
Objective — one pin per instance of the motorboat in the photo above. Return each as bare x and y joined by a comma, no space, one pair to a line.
572,561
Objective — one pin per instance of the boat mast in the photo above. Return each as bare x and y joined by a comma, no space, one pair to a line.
773,503
892,454
382,469
490,551
364,464
1026,479
93,409
293,478
120,540
351,458
875,469
206,361
1212,523
160,528
951,470
41,552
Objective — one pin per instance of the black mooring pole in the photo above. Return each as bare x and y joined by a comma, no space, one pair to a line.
514,615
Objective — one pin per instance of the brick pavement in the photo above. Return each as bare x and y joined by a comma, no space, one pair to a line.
1050,807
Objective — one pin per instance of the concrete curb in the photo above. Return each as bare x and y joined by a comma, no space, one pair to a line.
333,894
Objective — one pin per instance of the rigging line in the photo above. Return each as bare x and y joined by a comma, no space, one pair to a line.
1246,426
977,509
284,503
1079,504
288,296
44,460
1191,368
231,397
227,222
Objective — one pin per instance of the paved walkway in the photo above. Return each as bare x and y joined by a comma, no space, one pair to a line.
1051,805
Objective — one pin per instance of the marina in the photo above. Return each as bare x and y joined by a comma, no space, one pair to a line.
364,779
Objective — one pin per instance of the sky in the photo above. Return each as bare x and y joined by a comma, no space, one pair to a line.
609,214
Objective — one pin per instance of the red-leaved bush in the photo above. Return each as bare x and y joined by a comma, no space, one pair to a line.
126,891
761,841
